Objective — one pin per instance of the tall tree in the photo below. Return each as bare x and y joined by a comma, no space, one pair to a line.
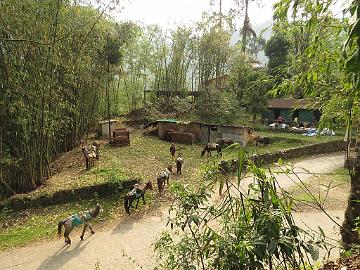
277,50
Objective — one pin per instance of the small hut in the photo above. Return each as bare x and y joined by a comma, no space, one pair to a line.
104,126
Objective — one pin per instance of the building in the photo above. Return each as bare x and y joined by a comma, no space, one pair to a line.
104,126
225,133
305,110
219,83
255,64
190,132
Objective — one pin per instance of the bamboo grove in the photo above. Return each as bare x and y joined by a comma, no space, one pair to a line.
52,74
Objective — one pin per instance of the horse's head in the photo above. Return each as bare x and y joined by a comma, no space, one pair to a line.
95,211
98,206
169,168
149,185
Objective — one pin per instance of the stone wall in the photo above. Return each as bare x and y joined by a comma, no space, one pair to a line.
23,201
291,153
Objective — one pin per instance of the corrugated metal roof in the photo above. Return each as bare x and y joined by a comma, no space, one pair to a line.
107,121
171,120
168,120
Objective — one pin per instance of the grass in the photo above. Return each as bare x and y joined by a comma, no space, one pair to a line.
283,140
144,158
33,225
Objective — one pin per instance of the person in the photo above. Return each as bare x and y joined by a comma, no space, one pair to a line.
86,153
313,122
172,151
179,163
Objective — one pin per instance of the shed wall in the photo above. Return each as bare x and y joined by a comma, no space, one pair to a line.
105,128
306,116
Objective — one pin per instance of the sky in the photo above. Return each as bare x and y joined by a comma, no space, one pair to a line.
169,13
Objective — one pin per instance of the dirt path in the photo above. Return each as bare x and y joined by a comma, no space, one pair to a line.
128,246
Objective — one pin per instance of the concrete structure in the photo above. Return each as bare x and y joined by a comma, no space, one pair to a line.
305,110
171,129
225,133
105,126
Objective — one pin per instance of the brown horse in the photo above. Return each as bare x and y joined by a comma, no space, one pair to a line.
163,177
211,147
179,162
78,219
136,193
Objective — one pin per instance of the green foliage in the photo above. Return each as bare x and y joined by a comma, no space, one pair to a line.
249,85
53,76
277,49
216,107
315,67
245,230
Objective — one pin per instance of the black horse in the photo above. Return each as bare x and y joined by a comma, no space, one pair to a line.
212,147
136,193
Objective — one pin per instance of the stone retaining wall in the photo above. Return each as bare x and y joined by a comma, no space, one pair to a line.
306,150
23,201
291,153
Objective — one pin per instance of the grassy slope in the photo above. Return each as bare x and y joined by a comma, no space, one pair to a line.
145,157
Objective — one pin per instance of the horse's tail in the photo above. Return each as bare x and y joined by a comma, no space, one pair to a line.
60,224
219,149
203,151
126,205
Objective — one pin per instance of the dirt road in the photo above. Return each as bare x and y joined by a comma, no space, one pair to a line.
129,245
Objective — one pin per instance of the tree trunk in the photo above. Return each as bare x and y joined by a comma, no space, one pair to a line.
108,95
348,235
245,27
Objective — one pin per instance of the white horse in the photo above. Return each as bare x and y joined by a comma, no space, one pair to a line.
162,177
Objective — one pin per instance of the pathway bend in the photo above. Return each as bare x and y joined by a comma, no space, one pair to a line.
129,244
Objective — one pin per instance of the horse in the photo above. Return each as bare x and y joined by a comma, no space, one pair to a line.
257,139
211,147
80,218
136,193
163,177
90,156
179,163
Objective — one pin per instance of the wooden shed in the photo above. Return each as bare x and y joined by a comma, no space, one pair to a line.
225,133
166,126
104,125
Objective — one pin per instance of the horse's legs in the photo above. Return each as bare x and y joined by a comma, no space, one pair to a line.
87,163
83,232
137,203
143,197
160,185
91,229
68,229
131,199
